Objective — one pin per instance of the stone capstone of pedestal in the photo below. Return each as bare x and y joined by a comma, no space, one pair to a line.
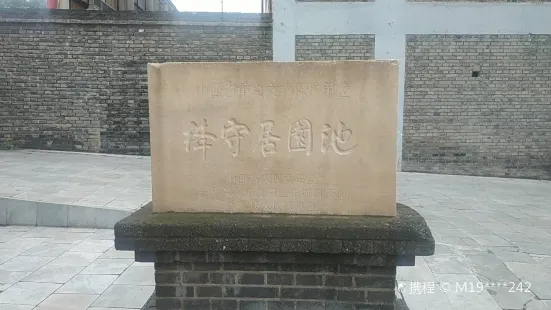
277,261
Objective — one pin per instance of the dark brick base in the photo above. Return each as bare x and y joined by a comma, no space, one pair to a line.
183,282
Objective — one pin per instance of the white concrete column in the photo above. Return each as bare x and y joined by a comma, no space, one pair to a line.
63,4
394,47
390,43
284,30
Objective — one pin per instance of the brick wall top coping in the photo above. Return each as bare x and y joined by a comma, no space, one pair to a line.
133,18
405,234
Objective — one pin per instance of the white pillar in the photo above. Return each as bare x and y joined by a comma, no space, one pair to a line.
63,4
283,43
394,47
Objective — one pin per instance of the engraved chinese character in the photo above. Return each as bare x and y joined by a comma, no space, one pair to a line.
276,89
300,136
259,89
232,133
344,90
328,89
217,90
304,90
268,140
198,139
336,138
235,90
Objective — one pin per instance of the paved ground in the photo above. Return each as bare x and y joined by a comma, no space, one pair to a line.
489,232
89,180
71,189
47,268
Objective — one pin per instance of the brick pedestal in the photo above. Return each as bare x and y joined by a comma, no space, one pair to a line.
261,262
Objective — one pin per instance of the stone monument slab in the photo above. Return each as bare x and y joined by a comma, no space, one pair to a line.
273,137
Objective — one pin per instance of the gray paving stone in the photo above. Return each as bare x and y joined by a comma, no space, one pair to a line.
510,298
536,234
68,237
445,249
25,263
547,303
8,278
544,261
15,307
108,266
3,212
538,277
95,217
40,232
76,258
519,257
67,301
20,244
141,264
422,300
448,232
543,248
20,212
6,255
102,308
103,234
53,274
420,272
537,305
8,235
488,268
135,275
27,293
132,296
48,249
81,230
51,214
491,240
87,284
447,265
503,248
127,202
469,299
112,253
99,246
452,240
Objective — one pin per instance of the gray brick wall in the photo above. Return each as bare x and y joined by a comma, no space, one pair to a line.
510,1
76,80
497,123
334,47
269,283
337,0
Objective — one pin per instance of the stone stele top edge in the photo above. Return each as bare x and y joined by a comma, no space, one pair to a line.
220,63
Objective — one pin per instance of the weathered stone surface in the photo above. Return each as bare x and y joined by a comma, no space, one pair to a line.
274,137
146,231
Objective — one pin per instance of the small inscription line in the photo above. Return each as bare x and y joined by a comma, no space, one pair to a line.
300,90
